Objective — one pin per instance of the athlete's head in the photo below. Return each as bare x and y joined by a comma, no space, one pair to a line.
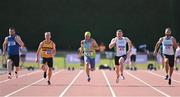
87,35
47,35
119,33
168,32
12,31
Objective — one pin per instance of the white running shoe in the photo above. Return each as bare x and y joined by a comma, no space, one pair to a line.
9,76
122,77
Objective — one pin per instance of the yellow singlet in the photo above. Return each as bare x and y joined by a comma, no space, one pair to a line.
47,49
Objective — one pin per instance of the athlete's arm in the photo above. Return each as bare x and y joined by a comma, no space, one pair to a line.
174,43
129,46
158,45
113,42
19,41
38,52
82,45
54,49
95,45
5,45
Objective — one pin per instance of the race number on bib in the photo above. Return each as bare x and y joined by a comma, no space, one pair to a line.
48,52
88,53
121,48
11,43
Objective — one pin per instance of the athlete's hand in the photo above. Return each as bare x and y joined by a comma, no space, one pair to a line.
4,53
128,52
37,60
155,52
114,40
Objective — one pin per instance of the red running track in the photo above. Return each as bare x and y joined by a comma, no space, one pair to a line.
73,83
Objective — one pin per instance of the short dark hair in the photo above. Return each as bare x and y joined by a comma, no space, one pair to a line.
119,30
12,28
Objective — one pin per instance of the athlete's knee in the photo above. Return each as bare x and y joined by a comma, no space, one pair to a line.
50,69
9,62
166,60
121,61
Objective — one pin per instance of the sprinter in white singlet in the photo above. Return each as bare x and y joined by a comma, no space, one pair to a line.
121,53
168,45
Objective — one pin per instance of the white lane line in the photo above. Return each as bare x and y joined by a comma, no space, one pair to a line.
112,92
66,89
148,84
12,93
163,76
20,76
177,73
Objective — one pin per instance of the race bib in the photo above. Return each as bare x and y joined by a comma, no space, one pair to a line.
121,48
88,53
48,51
167,47
11,43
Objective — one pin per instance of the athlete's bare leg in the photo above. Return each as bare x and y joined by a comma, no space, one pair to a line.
49,75
87,71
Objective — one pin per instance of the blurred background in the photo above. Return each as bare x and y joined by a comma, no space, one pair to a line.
143,21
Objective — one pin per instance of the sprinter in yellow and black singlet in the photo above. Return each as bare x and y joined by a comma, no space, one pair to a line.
47,50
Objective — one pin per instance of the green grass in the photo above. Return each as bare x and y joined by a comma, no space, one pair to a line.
59,62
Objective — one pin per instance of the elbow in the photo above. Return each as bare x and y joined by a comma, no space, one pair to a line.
110,47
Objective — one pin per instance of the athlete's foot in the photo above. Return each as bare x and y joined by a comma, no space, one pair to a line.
88,79
169,82
122,77
117,79
49,83
45,75
9,76
16,74
131,68
166,77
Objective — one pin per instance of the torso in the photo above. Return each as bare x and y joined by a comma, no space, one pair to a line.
47,49
13,46
121,46
167,44
87,47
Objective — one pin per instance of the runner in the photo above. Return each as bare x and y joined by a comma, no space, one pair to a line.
119,42
133,58
177,56
12,43
89,46
168,42
47,50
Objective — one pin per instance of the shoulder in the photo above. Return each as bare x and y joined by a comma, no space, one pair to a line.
17,35
113,39
162,38
6,37
53,43
82,41
173,38
93,39
126,38
42,42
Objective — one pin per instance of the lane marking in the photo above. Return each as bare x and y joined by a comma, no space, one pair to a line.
177,73
107,81
19,76
12,93
148,84
163,77
66,89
